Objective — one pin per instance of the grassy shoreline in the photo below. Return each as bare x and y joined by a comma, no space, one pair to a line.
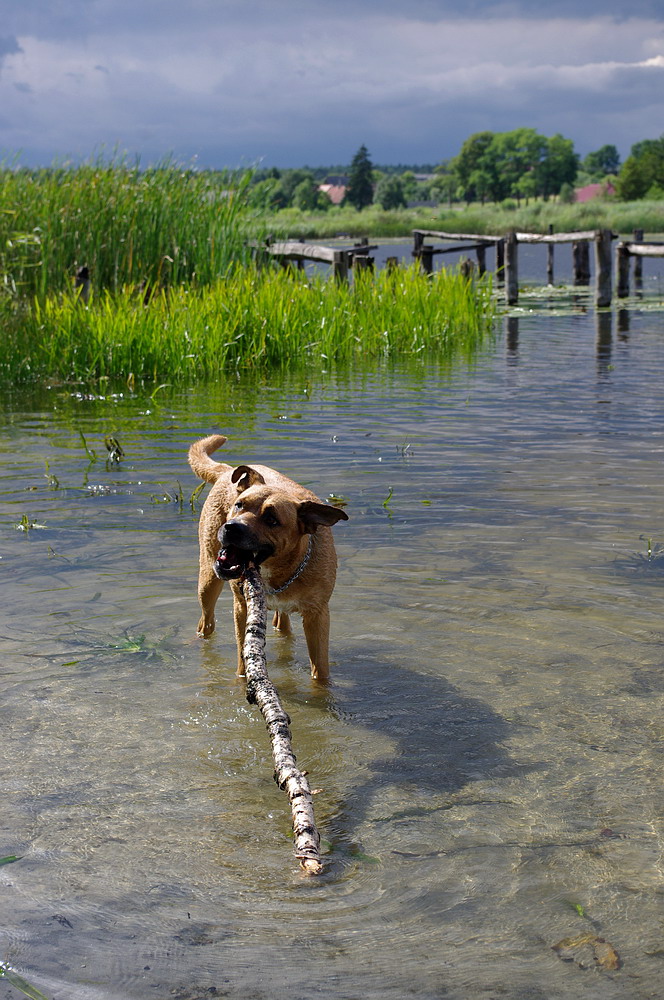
621,217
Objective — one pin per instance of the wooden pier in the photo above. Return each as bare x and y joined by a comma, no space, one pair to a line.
341,259
506,249
507,257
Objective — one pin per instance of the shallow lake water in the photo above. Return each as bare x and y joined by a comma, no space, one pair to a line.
489,751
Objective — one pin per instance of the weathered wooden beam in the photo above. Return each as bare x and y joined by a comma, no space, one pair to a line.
340,265
622,271
426,259
645,249
362,262
638,261
603,284
556,237
549,259
454,249
511,269
581,262
500,261
307,251
437,235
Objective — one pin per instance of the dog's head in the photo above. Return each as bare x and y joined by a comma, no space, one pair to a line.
266,522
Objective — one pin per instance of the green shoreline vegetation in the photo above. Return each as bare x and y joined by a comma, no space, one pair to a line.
174,293
251,319
481,220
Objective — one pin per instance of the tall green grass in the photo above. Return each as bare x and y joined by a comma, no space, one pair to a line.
250,319
162,226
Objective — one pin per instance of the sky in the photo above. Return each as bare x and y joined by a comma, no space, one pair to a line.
233,83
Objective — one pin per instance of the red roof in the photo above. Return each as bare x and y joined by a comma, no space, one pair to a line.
335,192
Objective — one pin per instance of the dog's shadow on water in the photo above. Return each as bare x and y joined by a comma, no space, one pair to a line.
398,741
441,745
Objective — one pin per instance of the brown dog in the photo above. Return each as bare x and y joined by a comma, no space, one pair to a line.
253,514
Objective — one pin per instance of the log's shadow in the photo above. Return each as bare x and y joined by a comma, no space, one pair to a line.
441,741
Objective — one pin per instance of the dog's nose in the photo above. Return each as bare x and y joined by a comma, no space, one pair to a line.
231,531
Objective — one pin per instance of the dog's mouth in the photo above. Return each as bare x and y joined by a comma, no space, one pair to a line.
232,561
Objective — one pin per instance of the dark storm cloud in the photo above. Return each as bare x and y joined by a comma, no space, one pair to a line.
308,81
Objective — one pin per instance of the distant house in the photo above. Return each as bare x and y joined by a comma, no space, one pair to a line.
335,187
335,192
591,191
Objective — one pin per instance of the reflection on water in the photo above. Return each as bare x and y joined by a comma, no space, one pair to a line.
489,751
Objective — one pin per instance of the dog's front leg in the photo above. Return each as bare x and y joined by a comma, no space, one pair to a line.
316,622
209,588
240,617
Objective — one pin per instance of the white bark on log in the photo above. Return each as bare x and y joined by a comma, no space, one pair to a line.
261,692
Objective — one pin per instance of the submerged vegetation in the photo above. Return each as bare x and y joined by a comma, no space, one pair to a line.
249,319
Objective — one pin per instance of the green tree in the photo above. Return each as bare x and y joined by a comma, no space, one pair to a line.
517,153
390,193
308,198
360,180
475,157
603,161
559,165
445,183
643,170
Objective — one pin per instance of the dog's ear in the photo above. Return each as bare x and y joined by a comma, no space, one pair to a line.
312,515
245,477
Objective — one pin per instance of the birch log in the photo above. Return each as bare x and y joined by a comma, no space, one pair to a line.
261,692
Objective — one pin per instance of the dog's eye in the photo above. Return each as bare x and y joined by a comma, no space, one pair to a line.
239,505
270,519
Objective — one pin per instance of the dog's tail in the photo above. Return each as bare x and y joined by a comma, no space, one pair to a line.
200,461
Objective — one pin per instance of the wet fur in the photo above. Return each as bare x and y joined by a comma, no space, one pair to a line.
267,497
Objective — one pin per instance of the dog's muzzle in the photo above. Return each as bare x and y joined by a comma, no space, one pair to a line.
239,549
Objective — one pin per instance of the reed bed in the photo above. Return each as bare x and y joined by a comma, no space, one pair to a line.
251,319
161,226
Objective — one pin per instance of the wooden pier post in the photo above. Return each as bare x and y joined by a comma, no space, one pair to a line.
362,262
581,262
340,265
603,287
511,269
549,259
426,259
500,262
638,262
481,258
622,271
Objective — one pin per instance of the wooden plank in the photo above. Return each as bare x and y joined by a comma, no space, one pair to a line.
305,251
644,249
436,235
556,237
455,249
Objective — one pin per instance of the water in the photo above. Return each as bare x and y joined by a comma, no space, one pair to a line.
489,750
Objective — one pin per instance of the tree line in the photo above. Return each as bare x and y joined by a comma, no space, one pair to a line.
490,166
